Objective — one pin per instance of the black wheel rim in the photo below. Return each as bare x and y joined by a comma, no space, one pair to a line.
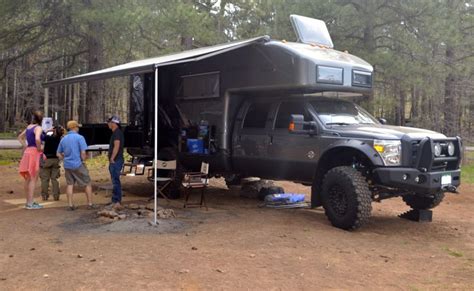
338,200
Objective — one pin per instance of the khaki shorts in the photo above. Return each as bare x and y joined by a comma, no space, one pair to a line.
79,176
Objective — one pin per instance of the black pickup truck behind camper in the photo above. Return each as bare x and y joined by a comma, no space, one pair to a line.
278,110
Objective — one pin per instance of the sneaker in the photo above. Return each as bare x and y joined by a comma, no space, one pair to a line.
71,208
33,206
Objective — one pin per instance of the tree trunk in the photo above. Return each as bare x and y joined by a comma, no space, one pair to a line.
6,116
401,106
414,104
15,97
75,101
95,89
451,114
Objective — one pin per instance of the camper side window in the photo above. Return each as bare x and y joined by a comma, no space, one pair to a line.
256,116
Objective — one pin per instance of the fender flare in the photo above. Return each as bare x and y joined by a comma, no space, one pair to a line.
358,145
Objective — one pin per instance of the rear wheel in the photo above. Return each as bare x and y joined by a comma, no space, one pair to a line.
346,198
423,202
233,180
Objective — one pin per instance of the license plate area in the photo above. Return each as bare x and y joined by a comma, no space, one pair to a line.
446,179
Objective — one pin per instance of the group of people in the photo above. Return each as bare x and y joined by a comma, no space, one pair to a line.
43,152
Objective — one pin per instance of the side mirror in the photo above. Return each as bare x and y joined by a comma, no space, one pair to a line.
382,120
297,125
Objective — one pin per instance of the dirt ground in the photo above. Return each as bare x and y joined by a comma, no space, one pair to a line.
235,245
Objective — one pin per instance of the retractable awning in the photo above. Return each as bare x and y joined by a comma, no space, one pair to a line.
148,65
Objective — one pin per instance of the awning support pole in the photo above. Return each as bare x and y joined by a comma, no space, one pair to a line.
156,143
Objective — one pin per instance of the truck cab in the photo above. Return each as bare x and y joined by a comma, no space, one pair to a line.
348,157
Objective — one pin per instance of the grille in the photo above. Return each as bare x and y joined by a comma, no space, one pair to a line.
422,157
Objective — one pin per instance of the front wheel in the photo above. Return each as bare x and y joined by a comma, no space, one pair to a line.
423,202
346,198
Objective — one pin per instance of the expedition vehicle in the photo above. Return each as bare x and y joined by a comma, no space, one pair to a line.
281,110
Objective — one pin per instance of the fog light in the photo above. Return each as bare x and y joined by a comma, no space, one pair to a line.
437,149
420,179
405,177
450,149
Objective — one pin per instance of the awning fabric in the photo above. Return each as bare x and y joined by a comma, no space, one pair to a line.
148,65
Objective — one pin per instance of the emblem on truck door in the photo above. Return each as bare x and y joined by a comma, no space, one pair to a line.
310,155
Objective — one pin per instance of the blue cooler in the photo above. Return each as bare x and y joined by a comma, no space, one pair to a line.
285,198
195,146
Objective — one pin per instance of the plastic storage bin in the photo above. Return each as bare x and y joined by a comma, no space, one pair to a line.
195,146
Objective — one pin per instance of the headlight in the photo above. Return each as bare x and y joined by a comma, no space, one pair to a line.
389,150
451,149
437,149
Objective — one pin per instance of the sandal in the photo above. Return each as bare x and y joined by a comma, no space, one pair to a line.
71,208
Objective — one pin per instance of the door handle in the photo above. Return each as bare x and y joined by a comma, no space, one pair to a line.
271,139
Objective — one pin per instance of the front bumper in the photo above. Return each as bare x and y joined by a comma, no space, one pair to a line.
417,181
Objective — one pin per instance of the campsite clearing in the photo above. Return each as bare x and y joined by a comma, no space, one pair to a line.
234,245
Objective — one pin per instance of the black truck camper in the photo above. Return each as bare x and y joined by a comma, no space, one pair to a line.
276,109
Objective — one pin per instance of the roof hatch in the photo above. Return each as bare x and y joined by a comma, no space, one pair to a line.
311,31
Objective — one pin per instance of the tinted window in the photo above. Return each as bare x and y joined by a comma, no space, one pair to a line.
197,86
286,110
338,112
256,115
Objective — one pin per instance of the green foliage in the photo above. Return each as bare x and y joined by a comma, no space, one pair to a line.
453,253
467,169
6,135
9,157
406,41
467,174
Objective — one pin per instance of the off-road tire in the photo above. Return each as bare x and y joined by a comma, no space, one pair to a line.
423,202
233,180
346,198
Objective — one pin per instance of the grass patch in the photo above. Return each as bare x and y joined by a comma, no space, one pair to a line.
7,135
467,174
102,161
467,169
9,157
453,253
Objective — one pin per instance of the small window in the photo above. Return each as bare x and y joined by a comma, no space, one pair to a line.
286,110
199,86
256,115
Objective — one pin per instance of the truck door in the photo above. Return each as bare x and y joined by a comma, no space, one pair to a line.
293,156
250,139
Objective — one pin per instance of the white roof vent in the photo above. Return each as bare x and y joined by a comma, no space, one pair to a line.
311,31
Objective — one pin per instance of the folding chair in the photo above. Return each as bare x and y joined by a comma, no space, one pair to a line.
196,181
163,181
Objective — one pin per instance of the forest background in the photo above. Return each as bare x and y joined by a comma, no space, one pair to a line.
422,51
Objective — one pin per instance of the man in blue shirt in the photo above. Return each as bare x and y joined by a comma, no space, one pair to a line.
72,149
